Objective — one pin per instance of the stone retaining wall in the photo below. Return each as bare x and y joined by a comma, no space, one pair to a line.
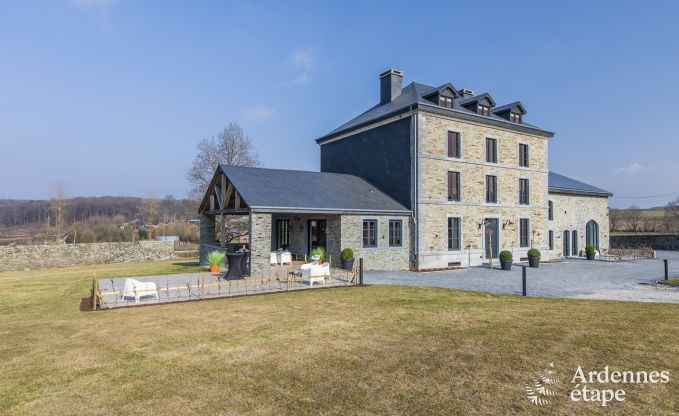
27,257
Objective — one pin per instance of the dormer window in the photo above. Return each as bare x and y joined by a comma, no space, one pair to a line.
483,110
515,118
445,101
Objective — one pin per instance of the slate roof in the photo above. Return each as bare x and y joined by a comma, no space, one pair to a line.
295,190
563,184
413,94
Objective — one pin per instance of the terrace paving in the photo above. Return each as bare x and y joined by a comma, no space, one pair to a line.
573,278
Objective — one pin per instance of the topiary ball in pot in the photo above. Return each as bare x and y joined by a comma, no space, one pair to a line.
347,258
506,259
534,257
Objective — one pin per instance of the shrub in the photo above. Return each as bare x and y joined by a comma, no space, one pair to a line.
347,254
318,251
534,252
506,255
590,248
215,258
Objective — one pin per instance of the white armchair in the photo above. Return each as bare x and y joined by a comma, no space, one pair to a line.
286,258
274,258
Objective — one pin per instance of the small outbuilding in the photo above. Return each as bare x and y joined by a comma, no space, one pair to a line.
300,210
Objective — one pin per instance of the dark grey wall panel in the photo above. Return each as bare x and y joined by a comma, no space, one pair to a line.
380,155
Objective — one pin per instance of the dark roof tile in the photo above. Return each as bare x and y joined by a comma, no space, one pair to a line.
304,190
565,184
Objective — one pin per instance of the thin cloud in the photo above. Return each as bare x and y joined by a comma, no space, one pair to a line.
304,60
260,113
634,169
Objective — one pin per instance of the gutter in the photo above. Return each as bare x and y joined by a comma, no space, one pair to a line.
554,190
305,210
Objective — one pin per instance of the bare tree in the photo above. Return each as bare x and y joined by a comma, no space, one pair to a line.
614,219
633,217
231,146
58,202
149,208
671,216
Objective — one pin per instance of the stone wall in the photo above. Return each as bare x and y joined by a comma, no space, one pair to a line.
382,257
572,212
260,243
30,257
434,207
342,231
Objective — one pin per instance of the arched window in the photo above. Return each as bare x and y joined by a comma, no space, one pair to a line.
592,234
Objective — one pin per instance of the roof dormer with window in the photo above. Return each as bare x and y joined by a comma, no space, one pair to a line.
512,112
443,96
480,104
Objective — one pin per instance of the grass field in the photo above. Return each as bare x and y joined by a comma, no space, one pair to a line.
361,350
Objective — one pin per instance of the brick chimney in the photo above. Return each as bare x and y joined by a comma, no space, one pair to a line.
391,84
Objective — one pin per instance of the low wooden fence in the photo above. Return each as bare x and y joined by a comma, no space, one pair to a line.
134,291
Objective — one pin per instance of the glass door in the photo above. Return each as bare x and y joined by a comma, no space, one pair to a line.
317,234
491,237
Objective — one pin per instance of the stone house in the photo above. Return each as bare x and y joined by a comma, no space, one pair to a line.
458,179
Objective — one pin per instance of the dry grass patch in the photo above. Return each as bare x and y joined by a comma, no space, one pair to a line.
371,350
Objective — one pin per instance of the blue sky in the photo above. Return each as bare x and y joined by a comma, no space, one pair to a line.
111,96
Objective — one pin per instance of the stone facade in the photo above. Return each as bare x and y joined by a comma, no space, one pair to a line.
29,257
572,213
342,231
433,207
207,236
260,243
383,256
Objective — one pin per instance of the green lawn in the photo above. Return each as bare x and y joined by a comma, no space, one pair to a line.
369,350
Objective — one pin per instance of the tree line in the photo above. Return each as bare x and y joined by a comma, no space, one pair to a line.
635,219
22,213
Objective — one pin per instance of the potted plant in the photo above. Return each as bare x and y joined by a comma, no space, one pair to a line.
347,257
506,259
318,253
590,251
534,257
215,259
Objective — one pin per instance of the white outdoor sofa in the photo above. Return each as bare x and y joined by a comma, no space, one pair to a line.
136,290
314,272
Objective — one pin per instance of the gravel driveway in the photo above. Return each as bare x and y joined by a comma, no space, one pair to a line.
573,278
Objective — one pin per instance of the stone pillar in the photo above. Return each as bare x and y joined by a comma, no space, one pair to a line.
207,236
260,244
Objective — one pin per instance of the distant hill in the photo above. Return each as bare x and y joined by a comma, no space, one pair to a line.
21,213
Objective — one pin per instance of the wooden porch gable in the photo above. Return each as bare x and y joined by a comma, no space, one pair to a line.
222,197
